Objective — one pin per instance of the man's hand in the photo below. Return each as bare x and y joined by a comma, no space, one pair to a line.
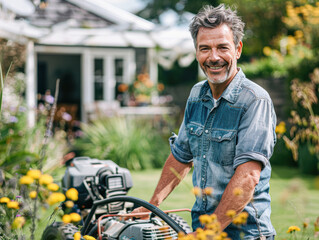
140,212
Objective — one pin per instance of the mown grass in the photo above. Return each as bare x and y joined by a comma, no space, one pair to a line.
295,198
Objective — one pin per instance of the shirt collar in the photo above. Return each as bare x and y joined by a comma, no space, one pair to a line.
230,93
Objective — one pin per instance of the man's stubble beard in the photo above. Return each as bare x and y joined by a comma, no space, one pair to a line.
219,81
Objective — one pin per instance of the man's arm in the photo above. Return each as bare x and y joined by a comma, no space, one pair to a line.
168,181
246,177
172,174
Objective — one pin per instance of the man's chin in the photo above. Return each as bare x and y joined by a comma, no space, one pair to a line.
217,80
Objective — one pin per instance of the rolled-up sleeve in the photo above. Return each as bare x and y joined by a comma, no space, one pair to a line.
256,133
180,146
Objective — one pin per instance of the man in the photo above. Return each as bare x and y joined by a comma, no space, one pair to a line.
227,134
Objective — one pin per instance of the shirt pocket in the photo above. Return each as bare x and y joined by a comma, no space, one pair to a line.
194,133
223,144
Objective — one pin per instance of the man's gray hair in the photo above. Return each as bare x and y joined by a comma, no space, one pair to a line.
210,17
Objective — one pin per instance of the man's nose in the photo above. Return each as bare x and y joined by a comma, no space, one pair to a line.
213,55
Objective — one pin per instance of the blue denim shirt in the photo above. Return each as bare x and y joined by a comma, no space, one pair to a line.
218,136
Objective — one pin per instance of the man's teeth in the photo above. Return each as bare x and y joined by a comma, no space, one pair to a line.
215,68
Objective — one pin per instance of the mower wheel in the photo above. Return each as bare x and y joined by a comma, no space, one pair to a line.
180,221
59,231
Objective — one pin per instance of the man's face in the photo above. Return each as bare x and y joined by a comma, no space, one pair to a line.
217,54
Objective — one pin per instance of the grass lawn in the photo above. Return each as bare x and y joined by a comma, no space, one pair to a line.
295,198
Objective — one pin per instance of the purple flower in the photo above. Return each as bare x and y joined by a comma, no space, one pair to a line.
49,99
13,119
66,116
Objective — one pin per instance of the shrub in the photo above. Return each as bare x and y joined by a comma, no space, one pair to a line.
131,143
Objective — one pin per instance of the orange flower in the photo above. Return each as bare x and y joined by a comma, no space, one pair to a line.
122,87
160,87
196,191
208,191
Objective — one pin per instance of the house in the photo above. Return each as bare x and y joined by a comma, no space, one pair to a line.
91,46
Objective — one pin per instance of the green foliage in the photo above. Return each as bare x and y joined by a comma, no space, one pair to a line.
155,8
20,145
305,123
131,143
263,23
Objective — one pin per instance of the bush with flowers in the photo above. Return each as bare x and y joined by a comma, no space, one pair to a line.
141,91
18,210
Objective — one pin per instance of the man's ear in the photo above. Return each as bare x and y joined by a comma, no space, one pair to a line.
239,49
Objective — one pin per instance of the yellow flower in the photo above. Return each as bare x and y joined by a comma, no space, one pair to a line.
224,234
231,213
34,173
205,219
87,237
66,218
208,191
75,217
55,198
46,179
26,180
72,194
53,187
77,236
18,222
69,204
292,229
267,51
238,191
241,218
13,205
33,194
305,224
281,128
4,200
196,191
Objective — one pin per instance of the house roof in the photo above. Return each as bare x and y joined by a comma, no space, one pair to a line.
114,14
63,23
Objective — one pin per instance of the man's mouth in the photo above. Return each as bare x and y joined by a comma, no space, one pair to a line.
215,68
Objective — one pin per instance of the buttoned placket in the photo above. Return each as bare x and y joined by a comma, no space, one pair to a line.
205,147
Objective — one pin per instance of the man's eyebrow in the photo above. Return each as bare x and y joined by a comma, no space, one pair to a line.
223,45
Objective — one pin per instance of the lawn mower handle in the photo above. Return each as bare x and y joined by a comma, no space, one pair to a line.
138,201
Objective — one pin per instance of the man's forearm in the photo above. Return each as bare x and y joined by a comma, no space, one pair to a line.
245,178
172,174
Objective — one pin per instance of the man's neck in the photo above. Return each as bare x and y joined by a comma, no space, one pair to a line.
218,89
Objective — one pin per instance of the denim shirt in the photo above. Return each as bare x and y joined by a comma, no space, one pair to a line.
218,136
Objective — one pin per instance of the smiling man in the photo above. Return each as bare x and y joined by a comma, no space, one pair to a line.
227,135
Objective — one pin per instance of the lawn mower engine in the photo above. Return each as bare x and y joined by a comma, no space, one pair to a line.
106,210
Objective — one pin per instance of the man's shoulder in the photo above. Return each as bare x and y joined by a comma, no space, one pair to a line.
254,89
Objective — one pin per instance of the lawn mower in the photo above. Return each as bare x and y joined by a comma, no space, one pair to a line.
106,209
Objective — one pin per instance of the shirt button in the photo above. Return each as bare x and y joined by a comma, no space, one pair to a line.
192,129
204,156
219,137
206,131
